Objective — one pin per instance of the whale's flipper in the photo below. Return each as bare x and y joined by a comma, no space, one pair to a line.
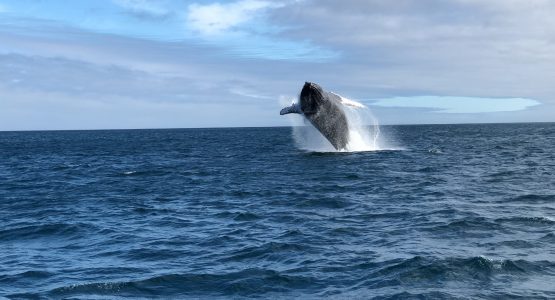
295,108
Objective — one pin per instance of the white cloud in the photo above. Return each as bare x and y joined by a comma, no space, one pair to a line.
3,8
244,28
457,105
217,18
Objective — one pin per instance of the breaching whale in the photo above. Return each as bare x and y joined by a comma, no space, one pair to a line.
325,111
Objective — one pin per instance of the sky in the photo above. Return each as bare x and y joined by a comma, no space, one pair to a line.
101,64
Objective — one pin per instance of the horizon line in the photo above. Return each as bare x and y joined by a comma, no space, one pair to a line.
281,126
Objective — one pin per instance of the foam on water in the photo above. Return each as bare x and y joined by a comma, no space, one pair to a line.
364,131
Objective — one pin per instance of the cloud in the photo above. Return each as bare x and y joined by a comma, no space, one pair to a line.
231,69
496,49
498,26
458,105
143,8
219,18
55,93
28,110
243,28
97,80
3,8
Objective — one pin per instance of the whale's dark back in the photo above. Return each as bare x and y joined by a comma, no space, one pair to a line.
323,110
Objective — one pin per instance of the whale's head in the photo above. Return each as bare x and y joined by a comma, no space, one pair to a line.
311,97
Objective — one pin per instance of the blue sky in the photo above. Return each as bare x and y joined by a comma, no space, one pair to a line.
173,63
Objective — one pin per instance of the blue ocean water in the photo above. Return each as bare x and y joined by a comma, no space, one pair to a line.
462,212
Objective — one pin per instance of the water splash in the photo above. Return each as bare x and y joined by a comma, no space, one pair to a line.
364,131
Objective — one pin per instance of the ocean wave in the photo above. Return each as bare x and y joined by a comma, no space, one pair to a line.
532,199
238,216
44,231
426,270
550,237
272,251
351,280
243,283
527,220
469,226
323,202
145,172
24,278
514,244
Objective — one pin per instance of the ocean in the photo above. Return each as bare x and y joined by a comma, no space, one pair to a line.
450,212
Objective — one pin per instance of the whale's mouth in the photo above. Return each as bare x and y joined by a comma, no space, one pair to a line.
295,108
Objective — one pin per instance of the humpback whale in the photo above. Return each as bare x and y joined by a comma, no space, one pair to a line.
325,112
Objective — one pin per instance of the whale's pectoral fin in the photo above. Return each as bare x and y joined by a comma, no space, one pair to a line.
295,108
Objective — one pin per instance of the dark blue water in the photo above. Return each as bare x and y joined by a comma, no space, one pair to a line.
465,212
